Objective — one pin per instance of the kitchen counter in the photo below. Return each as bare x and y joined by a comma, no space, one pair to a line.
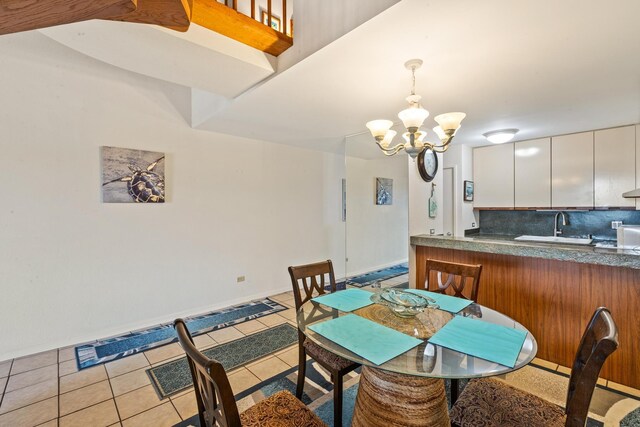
505,245
551,289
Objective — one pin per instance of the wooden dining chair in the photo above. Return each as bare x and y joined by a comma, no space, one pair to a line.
313,279
458,276
489,402
217,405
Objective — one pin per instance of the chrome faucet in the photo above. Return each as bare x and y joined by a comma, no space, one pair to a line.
556,230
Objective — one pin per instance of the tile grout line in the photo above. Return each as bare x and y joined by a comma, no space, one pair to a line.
6,384
58,394
113,396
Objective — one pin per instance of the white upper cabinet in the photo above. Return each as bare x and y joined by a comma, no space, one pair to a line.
572,171
533,173
493,176
615,166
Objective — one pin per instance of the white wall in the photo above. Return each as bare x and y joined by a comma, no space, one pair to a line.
460,157
376,234
419,221
74,269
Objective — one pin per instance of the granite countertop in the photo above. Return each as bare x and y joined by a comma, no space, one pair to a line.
505,245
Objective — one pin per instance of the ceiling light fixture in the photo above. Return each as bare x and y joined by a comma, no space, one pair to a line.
412,118
500,136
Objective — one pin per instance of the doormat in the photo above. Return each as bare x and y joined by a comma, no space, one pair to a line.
173,377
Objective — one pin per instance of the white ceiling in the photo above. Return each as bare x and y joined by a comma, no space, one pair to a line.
198,58
545,67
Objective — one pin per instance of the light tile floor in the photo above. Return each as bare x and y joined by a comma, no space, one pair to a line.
46,389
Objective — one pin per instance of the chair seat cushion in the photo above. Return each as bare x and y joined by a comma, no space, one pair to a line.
280,410
489,402
326,357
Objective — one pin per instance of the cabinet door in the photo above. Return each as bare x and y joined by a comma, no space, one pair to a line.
615,166
572,171
533,173
493,176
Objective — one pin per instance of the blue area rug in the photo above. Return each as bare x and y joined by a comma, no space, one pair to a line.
173,377
375,276
107,350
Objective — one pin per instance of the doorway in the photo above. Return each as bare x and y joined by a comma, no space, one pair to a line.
448,198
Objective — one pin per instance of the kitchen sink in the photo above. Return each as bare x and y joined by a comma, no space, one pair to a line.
553,239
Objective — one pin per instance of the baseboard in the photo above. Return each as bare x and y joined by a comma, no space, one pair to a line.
146,323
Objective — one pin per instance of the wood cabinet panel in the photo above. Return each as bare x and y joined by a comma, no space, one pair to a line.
555,300
493,176
532,171
572,170
615,166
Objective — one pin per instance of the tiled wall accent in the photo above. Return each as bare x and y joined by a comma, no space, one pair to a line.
540,223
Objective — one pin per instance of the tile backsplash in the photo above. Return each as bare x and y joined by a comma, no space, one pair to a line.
540,223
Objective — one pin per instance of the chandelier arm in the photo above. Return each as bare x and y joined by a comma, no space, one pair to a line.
390,151
442,148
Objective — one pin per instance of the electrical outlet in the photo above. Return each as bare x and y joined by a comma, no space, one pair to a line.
432,231
240,279
616,224
473,225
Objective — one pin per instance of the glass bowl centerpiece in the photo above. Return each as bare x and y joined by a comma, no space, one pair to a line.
403,303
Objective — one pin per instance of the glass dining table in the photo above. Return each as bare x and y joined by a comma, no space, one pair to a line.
409,390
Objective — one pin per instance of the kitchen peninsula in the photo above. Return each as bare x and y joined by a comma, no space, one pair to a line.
552,290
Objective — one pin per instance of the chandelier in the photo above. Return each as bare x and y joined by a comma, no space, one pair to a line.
412,118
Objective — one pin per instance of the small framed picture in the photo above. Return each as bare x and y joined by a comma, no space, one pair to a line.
275,21
468,191
384,191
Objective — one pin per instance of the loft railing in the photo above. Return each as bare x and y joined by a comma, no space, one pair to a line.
278,23
247,21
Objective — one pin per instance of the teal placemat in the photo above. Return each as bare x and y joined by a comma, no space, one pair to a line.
347,300
446,302
485,340
368,339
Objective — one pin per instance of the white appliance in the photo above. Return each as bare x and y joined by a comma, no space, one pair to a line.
628,237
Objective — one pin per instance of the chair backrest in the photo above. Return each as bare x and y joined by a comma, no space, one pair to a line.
458,276
216,403
598,341
312,277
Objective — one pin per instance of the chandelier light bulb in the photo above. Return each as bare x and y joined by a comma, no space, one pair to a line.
413,117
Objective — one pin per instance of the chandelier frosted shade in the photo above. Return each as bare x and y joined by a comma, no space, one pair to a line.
379,128
449,121
413,117
388,137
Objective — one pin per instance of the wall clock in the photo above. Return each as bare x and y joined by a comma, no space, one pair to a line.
427,165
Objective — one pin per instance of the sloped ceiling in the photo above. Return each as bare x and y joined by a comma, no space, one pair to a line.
545,67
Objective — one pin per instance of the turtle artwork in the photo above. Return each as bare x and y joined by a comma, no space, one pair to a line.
132,176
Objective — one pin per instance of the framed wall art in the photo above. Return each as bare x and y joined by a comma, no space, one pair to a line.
275,21
384,191
132,176
468,191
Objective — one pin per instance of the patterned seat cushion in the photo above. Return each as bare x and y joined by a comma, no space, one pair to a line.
489,402
280,410
321,355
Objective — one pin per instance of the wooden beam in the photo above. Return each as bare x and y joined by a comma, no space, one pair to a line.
226,21
24,15
174,14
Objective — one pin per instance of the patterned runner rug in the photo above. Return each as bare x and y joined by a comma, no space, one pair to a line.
374,276
173,377
110,349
